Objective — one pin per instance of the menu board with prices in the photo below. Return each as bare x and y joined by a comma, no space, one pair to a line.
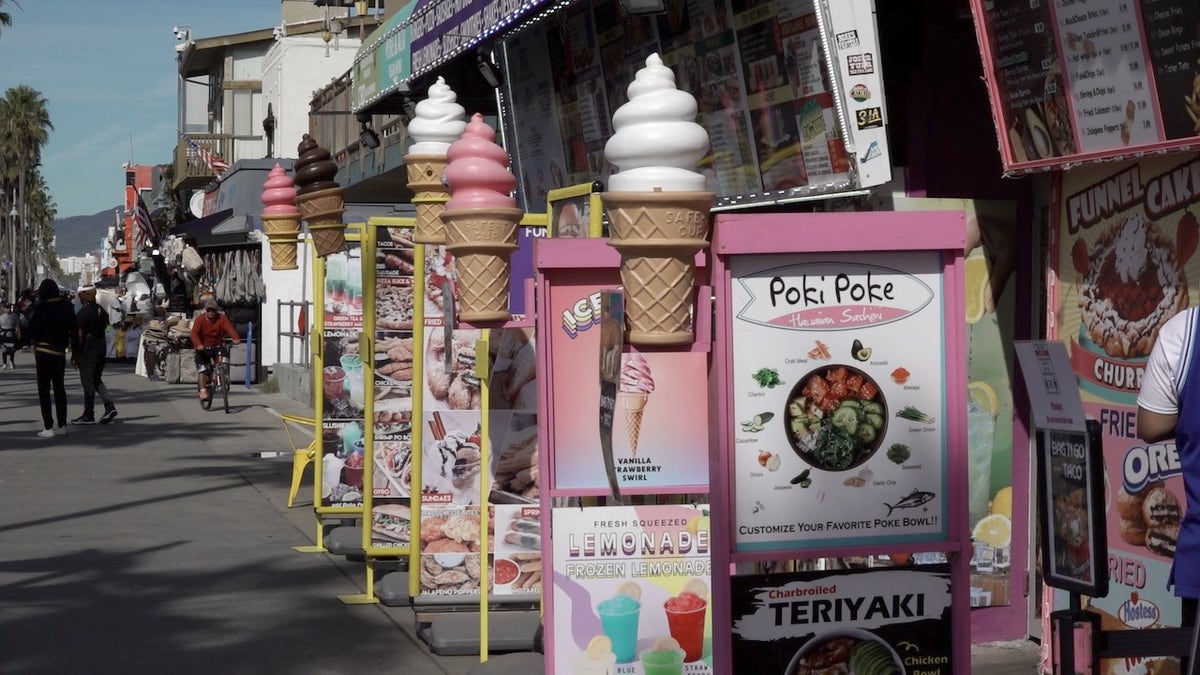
343,458
1076,79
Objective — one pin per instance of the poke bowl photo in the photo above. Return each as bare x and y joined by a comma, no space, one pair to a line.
835,417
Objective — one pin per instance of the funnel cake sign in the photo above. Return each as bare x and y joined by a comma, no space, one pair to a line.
832,296
1128,238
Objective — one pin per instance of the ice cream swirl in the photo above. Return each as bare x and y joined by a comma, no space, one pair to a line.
478,175
439,121
657,143
314,169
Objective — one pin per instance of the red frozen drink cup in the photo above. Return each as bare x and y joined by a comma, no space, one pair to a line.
685,619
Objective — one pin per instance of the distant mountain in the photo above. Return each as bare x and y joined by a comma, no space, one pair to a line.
82,234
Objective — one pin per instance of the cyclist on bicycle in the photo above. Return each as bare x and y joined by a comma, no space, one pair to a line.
207,330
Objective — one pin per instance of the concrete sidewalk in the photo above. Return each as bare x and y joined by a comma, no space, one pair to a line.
162,542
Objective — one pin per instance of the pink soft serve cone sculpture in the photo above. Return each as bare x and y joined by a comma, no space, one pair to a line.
481,222
281,218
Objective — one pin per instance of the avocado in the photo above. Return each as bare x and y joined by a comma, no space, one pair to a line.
862,353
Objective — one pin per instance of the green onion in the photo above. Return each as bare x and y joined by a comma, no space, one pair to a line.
908,412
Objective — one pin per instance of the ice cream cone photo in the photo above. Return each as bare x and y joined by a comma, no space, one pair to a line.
633,393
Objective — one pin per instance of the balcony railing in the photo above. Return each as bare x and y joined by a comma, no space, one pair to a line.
191,171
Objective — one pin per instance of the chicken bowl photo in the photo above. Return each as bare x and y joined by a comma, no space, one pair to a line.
835,417
851,650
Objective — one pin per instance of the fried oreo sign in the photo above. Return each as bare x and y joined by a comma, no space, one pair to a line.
832,296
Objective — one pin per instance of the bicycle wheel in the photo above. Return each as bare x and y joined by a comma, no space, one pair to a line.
224,370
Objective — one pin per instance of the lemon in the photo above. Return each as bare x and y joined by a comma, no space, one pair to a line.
994,530
984,396
696,524
1002,502
976,273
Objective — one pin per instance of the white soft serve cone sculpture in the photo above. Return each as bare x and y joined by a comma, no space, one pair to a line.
439,121
657,207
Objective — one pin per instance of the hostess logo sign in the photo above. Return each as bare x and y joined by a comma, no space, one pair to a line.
831,296
1138,612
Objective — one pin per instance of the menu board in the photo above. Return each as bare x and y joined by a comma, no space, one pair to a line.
760,75
392,468
840,434
1071,507
882,620
342,392
1091,79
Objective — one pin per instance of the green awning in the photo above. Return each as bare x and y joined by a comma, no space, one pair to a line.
383,63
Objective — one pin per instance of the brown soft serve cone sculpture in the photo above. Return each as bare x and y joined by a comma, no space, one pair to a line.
481,222
319,197
657,207
281,218
438,123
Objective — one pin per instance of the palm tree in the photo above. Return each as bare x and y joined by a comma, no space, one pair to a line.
25,126
5,17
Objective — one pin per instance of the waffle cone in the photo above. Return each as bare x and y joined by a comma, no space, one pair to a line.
425,174
634,404
328,238
283,252
429,196
321,206
482,241
281,225
663,218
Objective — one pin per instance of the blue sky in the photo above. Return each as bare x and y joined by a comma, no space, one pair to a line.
107,70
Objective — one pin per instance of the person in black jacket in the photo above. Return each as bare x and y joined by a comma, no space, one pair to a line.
92,321
52,332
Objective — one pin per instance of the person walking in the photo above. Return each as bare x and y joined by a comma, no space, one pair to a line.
116,307
10,332
51,332
91,322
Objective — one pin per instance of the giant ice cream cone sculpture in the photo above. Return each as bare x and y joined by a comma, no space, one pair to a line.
281,218
319,197
481,222
657,207
438,123
636,386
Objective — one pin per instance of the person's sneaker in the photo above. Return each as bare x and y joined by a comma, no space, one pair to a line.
46,433
84,419
108,416
60,431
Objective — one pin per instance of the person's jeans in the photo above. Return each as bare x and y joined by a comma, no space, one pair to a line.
91,368
51,368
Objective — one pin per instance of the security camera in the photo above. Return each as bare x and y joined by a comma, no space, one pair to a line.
181,32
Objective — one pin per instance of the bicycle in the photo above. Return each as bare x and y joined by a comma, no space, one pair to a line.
219,381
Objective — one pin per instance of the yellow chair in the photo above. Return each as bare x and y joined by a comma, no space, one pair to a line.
301,456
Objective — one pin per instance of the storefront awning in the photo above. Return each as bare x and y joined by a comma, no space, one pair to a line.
208,231
443,29
381,66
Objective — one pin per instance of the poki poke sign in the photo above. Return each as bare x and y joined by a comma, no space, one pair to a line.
831,296
839,399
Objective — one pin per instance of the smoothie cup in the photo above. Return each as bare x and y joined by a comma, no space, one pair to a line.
685,619
662,661
619,620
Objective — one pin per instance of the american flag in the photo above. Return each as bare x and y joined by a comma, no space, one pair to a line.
144,231
211,159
